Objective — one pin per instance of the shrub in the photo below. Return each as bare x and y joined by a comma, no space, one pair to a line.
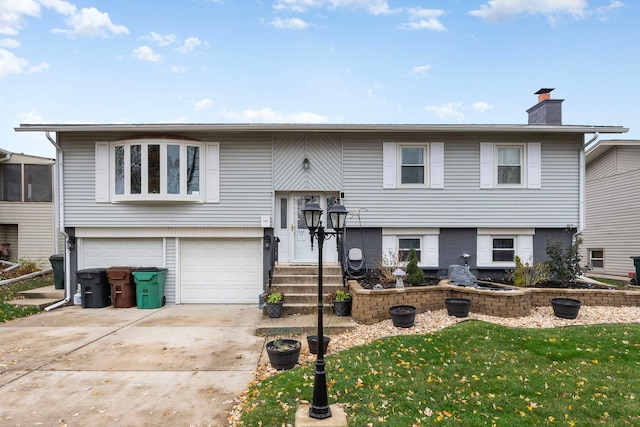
415,276
526,275
564,264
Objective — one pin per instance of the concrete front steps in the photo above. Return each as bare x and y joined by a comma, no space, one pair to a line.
299,285
39,297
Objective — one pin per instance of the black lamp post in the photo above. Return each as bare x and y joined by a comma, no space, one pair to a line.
312,214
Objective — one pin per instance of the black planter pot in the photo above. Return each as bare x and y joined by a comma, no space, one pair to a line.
274,309
566,308
283,353
458,307
312,340
403,316
342,308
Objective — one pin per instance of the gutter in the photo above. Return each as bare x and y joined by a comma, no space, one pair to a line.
60,214
6,156
582,185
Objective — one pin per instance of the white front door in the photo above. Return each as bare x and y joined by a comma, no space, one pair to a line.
291,228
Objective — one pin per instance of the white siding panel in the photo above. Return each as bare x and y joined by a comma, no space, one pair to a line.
35,239
105,253
220,270
170,263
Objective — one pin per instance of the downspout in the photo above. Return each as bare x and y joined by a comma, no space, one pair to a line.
582,190
60,214
7,156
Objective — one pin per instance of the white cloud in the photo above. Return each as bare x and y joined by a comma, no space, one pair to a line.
189,45
90,22
289,24
12,15
604,11
421,71
10,43
60,6
448,112
37,68
481,106
160,39
424,19
11,64
267,115
500,10
375,7
202,104
31,117
145,53
178,70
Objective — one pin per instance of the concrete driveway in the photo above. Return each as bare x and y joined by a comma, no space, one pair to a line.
179,365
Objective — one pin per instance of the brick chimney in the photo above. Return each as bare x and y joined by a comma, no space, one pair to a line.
547,111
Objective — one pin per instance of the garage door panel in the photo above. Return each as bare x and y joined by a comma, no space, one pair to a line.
221,270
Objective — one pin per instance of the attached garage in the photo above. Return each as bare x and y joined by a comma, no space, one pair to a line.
220,271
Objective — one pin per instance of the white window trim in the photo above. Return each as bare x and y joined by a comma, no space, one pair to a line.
209,172
523,162
531,167
523,246
391,165
429,244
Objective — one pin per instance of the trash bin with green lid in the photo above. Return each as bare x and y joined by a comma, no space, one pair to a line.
123,289
150,286
94,287
57,263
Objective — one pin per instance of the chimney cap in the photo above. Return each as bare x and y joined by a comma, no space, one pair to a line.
544,90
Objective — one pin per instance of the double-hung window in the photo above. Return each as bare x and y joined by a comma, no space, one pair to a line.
596,259
413,164
509,169
405,244
157,170
504,250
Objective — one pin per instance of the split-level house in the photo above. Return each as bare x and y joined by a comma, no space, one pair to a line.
210,202
610,237
27,225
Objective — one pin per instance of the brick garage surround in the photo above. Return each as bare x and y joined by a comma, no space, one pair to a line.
369,306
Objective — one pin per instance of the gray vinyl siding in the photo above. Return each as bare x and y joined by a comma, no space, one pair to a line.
612,219
462,203
245,187
324,152
171,261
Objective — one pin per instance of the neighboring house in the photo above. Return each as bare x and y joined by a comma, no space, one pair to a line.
27,225
612,229
207,200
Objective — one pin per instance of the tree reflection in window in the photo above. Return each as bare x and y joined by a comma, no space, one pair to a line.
173,169
119,153
136,169
153,180
193,169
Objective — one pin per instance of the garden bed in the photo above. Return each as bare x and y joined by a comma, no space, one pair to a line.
370,306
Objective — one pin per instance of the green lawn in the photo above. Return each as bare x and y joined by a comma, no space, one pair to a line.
10,292
472,374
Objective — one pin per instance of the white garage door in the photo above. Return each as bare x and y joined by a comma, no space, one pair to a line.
220,270
121,252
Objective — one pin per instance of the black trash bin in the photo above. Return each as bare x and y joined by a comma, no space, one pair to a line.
94,287
123,289
636,262
57,262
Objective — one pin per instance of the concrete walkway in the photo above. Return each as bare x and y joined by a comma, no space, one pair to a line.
179,365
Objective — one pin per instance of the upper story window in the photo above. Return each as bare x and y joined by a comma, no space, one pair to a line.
509,165
157,170
25,183
413,165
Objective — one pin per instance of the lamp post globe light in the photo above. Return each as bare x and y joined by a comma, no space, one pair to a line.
312,215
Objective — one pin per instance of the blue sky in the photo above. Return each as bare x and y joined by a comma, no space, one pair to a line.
314,61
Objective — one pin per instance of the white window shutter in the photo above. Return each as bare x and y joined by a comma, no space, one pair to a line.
534,165
437,164
389,246
485,246
525,248
103,191
431,257
389,165
213,172
486,165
